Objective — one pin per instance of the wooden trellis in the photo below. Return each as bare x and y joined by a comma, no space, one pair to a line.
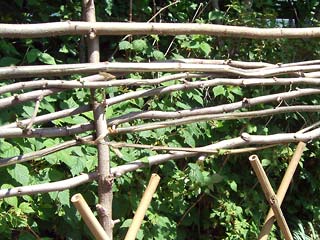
189,73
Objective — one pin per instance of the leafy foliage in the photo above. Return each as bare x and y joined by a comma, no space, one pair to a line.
215,198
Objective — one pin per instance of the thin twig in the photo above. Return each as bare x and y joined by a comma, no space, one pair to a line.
35,112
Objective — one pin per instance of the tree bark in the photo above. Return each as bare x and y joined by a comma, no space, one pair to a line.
99,108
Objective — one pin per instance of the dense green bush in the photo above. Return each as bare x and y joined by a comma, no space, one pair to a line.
215,199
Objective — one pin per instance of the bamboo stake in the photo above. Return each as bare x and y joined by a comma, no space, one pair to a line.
282,190
270,196
88,217
99,109
142,208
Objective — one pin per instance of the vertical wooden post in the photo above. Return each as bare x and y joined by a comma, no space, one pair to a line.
99,108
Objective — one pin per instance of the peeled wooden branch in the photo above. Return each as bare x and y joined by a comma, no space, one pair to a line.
24,97
67,131
178,114
49,117
49,187
88,217
71,84
128,67
230,62
209,117
270,196
244,139
183,149
46,132
210,114
101,83
45,84
142,208
71,143
43,152
177,87
138,28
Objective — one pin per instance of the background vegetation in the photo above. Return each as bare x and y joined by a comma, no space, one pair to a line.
216,199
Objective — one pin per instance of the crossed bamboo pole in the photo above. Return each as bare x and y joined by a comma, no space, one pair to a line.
275,201
282,190
270,196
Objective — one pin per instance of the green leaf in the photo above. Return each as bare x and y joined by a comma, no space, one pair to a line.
188,138
64,197
64,49
182,105
12,201
236,90
126,223
20,173
75,164
198,99
218,90
28,110
8,150
206,48
47,58
233,185
26,208
33,55
158,55
8,61
7,48
125,45
195,174
144,160
212,179
108,6
265,162
215,15
139,45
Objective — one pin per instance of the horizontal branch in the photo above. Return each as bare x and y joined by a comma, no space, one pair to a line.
76,129
24,97
70,84
206,117
185,149
46,132
43,152
244,139
129,67
49,187
224,116
229,62
48,117
224,108
138,28
142,93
